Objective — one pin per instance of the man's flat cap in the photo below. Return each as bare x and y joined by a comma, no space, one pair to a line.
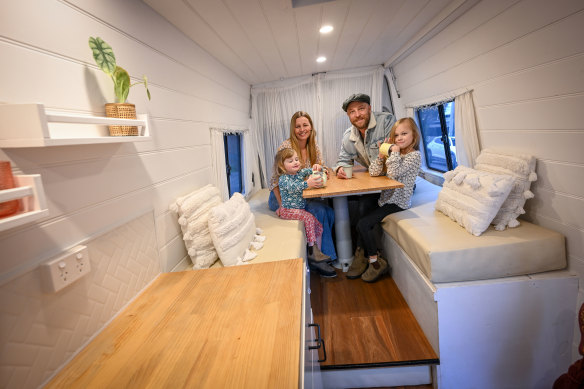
356,97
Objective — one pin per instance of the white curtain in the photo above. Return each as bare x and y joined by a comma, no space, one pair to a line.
321,96
465,127
219,178
272,108
335,87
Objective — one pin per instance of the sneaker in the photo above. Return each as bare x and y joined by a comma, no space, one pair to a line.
359,264
376,270
324,269
318,256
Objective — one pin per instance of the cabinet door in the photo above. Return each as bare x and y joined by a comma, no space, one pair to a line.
312,376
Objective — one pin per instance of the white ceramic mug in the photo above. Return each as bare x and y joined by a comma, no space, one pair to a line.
348,170
321,174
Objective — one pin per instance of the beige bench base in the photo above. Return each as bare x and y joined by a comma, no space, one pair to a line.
504,332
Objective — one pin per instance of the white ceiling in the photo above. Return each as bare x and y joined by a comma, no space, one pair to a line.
267,40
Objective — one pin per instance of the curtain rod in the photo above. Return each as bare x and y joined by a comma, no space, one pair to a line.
439,99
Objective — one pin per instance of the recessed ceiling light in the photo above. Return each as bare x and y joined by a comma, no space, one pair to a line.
321,59
326,29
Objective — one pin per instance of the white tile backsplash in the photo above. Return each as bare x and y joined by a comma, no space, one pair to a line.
39,332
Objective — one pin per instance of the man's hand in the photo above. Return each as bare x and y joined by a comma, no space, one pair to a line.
341,173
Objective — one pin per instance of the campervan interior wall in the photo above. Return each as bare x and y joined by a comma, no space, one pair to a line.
523,60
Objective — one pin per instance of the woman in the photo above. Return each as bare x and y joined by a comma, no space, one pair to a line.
303,141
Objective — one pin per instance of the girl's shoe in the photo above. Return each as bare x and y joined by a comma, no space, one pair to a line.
359,264
376,270
317,255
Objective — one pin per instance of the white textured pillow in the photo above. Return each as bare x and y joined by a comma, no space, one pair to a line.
472,198
232,228
522,169
193,211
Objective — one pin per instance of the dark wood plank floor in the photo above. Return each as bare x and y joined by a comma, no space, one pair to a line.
366,324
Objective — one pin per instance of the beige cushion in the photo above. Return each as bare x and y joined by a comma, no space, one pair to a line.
445,252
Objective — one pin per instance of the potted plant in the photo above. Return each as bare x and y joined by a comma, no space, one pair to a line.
106,60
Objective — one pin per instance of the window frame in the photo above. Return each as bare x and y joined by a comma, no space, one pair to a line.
450,164
228,168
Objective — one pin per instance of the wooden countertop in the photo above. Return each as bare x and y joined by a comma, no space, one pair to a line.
234,327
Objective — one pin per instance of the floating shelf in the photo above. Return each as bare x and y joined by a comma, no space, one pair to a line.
30,125
31,195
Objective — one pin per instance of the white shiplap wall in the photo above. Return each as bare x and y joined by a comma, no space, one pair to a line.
93,189
525,62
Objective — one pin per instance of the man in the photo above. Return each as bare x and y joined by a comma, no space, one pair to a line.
361,141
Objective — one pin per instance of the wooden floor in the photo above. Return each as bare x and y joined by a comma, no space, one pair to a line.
366,324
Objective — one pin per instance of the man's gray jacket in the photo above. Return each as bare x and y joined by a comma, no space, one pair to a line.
354,148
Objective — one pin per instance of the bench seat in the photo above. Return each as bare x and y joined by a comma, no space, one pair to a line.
446,252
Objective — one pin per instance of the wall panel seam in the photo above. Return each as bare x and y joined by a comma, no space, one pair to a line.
105,202
108,158
531,130
131,37
135,79
556,192
171,241
453,66
562,96
445,47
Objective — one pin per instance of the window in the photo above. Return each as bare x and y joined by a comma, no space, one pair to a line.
232,143
437,127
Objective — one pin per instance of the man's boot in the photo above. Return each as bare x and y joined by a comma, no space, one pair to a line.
359,264
376,270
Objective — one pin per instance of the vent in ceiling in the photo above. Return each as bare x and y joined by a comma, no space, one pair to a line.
303,3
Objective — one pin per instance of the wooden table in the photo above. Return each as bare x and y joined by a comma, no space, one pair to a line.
233,327
339,189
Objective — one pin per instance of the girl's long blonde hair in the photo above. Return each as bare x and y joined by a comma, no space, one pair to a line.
281,156
310,143
415,133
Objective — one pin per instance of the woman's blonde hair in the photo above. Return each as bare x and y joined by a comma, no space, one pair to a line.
310,143
415,133
281,156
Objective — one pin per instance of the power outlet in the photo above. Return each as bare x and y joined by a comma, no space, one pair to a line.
65,269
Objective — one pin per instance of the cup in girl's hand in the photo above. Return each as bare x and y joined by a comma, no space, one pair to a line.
321,174
385,149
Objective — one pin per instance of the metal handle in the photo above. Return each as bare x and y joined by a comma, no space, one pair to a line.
319,342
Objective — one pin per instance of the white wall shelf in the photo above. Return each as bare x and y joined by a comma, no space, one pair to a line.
31,195
30,125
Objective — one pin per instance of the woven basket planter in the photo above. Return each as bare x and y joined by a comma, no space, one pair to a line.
121,111
7,208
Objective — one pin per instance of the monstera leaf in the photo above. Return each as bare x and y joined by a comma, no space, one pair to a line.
106,60
103,55
121,84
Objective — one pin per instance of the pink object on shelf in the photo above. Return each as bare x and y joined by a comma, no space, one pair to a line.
7,208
